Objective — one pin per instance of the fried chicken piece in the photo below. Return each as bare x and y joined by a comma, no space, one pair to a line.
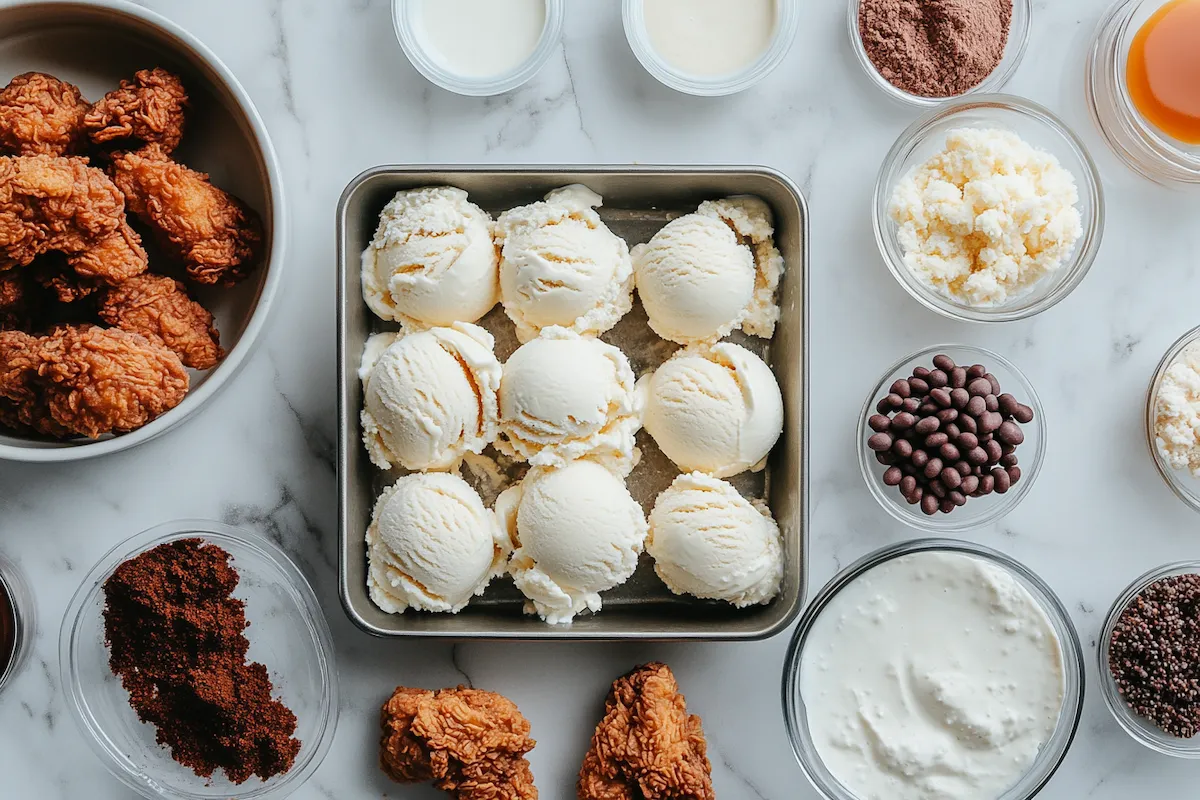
111,261
52,272
49,203
146,110
86,381
160,309
471,743
647,747
39,114
214,234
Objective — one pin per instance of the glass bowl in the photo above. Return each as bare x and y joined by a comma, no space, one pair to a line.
408,30
1139,144
21,615
978,511
1051,755
1041,129
633,17
1141,729
1014,51
1182,483
287,633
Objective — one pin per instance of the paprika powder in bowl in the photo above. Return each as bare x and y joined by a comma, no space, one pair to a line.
198,665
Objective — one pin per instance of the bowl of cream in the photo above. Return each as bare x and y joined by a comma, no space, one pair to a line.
710,47
478,47
933,668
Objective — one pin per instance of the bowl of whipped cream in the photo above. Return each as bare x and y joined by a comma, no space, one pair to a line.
933,668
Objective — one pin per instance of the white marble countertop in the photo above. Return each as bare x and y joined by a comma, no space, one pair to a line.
339,96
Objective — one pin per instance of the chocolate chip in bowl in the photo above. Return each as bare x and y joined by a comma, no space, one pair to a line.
951,438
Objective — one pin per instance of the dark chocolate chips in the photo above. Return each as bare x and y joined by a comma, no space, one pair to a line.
1154,654
948,434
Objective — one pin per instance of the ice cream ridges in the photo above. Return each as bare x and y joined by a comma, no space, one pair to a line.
561,265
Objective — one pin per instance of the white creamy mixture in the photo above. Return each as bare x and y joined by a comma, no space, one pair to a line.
482,38
710,37
934,676
1177,412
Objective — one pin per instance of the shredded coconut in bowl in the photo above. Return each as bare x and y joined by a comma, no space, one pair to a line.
987,218
1177,412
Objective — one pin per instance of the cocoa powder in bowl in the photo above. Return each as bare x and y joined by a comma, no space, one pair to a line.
935,48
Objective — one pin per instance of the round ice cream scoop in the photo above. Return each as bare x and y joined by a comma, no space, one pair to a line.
432,545
578,532
716,410
432,260
709,541
429,397
563,397
706,274
561,265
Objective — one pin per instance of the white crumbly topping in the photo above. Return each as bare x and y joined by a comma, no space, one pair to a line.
987,218
1177,412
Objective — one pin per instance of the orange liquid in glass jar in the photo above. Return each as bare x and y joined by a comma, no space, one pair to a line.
1163,74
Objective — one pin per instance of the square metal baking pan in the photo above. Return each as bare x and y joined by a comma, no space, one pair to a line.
638,200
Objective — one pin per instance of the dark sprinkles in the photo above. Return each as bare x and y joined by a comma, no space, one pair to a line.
1154,654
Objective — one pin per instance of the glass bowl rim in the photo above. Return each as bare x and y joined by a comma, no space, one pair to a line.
996,80
1169,475
1135,726
1074,671
780,45
307,603
916,519
421,59
1090,186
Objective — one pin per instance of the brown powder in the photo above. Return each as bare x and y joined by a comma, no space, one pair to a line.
935,48
176,639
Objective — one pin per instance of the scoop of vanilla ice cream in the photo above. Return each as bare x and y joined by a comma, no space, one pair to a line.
561,265
432,545
706,274
432,260
429,397
715,409
563,397
709,541
578,532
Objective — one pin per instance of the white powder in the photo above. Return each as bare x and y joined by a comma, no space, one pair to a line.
986,218
1177,412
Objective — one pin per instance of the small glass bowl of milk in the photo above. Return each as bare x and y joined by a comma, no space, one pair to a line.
478,47
710,47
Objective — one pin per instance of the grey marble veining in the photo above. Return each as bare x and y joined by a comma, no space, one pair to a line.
338,97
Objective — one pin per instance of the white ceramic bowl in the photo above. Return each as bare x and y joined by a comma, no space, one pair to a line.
94,46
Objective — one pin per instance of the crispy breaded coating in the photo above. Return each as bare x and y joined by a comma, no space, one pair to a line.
112,260
18,302
67,286
647,747
50,203
146,110
212,233
471,743
39,114
86,381
160,309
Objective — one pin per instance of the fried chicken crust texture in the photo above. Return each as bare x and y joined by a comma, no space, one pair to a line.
41,115
647,747
160,309
49,204
215,236
146,110
86,381
469,742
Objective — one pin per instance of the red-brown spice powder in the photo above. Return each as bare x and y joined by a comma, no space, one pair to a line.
935,48
176,639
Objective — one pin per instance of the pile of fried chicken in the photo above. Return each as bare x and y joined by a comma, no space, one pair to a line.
95,336
472,743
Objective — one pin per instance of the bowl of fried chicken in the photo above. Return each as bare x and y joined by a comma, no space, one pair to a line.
142,228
